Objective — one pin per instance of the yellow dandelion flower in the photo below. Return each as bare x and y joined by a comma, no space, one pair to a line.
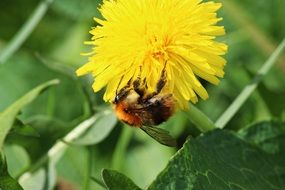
140,37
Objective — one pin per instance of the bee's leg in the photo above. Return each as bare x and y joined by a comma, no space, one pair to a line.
123,92
160,84
162,81
137,85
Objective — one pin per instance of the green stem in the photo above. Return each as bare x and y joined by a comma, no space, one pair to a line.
249,89
89,167
202,122
25,31
119,154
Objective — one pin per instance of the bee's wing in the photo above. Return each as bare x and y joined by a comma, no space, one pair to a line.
160,135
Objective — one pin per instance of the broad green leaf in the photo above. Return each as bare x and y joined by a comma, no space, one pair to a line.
220,160
99,131
117,181
268,135
6,181
7,117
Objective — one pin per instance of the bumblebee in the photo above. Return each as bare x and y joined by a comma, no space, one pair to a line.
134,106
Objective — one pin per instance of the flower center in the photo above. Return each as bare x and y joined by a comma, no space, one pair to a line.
158,55
157,49
156,43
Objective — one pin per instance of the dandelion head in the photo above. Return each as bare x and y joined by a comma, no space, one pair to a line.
140,38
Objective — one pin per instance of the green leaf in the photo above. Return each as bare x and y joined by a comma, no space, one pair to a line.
268,135
17,159
99,182
49,130
44,178
19,128
51,103
6,181
117,181
99,131
7,117
35,181
220,160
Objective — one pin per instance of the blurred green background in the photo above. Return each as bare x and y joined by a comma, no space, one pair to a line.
254,29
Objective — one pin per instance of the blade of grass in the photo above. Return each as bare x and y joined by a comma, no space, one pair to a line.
21,36
249,89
